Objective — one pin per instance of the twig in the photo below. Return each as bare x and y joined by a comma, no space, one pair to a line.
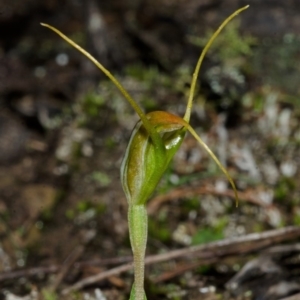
182,268
210,259
215,249
105,262
72,258
186,192
294,297
10,275
96,278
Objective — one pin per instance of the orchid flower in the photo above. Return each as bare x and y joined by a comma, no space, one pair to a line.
154,141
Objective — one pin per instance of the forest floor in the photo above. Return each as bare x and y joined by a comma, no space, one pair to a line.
64,129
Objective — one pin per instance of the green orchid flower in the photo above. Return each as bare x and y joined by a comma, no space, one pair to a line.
154,141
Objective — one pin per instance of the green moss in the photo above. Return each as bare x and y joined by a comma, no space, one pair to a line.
84,206
239,45
170,291
258,227
110,143
91,103
205,269
284,188
206,235
70,214
210,234
190,204
276,60
296,220
101,178
159,230
49,295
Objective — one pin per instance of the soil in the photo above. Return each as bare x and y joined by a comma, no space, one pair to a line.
64,129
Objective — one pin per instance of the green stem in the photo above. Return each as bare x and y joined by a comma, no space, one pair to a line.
138,230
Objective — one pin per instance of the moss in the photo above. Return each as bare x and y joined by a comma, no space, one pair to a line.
159,229
284,188
91,103
239,45
49,295
84,206
296,219
101,178
210,234
191,204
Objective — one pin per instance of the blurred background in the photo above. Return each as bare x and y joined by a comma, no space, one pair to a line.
64,129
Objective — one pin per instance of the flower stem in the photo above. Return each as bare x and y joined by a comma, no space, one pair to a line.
138,227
